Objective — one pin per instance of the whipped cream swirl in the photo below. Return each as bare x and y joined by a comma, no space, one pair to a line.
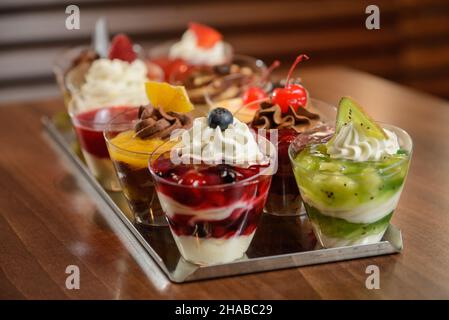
114,82
188,50
350,144
236,145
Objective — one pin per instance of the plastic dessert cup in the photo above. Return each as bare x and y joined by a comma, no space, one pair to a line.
256,66
284,198
219,82
160,56
228,92
348,202
211,224
70,78
89,126
62,66
130,156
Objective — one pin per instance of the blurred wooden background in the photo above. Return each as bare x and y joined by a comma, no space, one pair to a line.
412,46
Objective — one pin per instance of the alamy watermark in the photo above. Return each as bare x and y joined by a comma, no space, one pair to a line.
72,21
373,279
72,282
372,22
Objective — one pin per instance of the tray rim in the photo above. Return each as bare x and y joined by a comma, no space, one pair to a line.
259,264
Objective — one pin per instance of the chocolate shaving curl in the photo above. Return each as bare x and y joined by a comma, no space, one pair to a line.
271,117
156,123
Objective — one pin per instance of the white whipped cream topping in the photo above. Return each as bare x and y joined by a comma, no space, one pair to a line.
188,50
350,144
114,82
236,145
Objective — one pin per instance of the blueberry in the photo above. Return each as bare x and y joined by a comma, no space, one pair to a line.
227,174
220,117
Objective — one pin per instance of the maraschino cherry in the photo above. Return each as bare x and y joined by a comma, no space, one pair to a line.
292,94
254,94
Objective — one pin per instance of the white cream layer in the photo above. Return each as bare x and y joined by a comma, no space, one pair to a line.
209,251
172,207
369,212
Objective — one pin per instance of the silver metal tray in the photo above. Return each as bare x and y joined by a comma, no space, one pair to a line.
279,243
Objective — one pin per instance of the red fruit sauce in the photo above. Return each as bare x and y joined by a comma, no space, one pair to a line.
89,126
283,181
203,187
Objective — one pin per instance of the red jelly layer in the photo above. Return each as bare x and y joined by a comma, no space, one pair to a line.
188,185
89,126
284,181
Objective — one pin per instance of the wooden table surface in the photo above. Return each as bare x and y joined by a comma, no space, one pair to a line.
48,222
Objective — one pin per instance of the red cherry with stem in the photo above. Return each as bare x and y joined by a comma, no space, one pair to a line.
253,94
294,95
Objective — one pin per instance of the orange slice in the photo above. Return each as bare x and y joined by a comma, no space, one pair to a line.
168,97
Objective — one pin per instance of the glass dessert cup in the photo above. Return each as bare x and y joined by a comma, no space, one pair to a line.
222,81
348,202
70,68
284,198
130,155
159,55
228,92
211,224
62,67
89,126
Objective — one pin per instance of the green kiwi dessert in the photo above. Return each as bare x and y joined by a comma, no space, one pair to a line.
351,180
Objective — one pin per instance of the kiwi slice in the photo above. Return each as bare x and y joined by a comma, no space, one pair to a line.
350,111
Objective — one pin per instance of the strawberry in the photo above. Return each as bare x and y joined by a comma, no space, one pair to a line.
206,36
122,48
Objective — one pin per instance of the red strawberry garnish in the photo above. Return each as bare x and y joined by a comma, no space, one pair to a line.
122,48
206,36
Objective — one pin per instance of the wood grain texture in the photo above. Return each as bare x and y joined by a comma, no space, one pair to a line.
48,221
